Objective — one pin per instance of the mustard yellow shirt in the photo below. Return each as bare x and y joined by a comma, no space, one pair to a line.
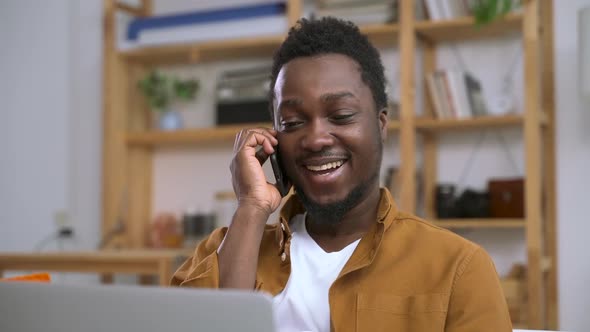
405,275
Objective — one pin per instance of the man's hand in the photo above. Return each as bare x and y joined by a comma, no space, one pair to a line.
251,149
257,199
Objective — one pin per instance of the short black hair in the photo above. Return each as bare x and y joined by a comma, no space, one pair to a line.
329,35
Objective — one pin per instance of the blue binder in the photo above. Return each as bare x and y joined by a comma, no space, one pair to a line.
201,17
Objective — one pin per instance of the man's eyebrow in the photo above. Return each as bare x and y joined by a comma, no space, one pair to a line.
328,97
290,103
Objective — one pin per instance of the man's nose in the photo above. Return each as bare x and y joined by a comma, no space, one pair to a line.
317,136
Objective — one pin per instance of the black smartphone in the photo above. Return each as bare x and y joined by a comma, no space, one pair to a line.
282,183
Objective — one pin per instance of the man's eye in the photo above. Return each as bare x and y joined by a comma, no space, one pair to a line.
290,124
341,118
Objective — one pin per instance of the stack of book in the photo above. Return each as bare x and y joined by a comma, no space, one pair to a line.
251,18
447,9
360,12
455,95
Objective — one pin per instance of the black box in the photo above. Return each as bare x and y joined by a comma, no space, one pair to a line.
245,111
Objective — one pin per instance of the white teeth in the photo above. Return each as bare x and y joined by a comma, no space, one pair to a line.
324,167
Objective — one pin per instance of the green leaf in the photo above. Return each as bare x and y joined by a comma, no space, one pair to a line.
160,90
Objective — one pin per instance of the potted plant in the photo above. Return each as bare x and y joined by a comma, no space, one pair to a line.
486,11
161,91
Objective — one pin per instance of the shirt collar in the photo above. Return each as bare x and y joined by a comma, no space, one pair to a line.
385,215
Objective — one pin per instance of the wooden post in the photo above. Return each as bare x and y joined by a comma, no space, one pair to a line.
114,125
147,7
429,139
532,141
294,11
140,163
407,41
165,272
549,160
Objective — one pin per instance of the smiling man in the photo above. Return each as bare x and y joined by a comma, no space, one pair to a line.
342,256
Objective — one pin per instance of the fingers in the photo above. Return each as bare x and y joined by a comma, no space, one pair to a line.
253,138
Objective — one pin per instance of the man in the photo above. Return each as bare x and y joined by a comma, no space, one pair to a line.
342,257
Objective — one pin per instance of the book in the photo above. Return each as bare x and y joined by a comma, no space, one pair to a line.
435,99
326,4
433,9
140,25
446,9
174,7
455,94
256,27
367,14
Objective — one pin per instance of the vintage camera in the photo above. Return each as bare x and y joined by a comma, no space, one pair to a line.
469,204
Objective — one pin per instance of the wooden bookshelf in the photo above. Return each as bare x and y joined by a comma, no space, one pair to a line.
200,136
461,29
480,223
483,122
129,141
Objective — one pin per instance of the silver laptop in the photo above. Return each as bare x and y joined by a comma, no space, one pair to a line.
35,307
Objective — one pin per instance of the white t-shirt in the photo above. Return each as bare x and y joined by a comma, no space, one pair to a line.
303,304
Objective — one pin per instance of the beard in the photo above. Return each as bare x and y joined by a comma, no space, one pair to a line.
332,213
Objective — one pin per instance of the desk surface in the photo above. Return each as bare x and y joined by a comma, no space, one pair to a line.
143,262
99,255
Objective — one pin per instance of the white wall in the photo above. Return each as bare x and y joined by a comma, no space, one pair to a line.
86,121
35,91
50,132
50,137
573,181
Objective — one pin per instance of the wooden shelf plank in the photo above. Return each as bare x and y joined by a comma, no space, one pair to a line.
189,136
221,134
464,28
480,223
471,123
135,11
204,51
381,35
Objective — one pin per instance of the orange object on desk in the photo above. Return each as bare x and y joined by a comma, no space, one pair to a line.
36,277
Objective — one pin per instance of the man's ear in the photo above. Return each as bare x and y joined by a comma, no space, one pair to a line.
383,120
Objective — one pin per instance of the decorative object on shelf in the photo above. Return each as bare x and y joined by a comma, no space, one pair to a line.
242,96
473,204
506,198
161,91
469,204
445,201
486,11
584,52
165,232
196,226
